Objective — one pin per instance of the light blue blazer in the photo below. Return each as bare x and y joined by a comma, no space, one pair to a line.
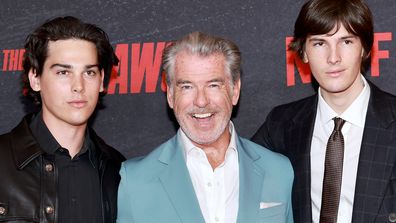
158,187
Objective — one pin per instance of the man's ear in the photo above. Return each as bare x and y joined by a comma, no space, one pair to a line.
102,80
305,57
367,56
236,90
34,80
169,96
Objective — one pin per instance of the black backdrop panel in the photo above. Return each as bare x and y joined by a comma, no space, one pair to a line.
135,117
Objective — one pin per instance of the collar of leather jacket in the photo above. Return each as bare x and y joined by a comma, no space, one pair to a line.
24,146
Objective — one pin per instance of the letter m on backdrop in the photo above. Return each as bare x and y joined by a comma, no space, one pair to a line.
293,60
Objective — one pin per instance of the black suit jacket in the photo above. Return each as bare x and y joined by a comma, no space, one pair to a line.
288,129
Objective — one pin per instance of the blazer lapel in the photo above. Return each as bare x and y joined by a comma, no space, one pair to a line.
250,185
298,140
177,183
371,183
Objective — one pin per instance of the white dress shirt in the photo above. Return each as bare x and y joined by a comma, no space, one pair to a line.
217,190
355,116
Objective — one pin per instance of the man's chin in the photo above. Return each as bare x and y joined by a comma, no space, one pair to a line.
202,139
78,121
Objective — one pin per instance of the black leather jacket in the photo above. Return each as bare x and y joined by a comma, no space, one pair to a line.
28,179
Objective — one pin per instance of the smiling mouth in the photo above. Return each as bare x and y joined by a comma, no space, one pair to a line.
202,116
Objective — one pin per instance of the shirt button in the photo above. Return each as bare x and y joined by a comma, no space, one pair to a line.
2,210
209,184
217,219
49,210
49,167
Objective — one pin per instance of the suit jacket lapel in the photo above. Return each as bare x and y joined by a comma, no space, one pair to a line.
371,183
250,185
177,183
298,140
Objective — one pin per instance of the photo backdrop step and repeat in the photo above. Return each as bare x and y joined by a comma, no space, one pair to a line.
134,116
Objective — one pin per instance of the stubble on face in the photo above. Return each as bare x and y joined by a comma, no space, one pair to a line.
202,97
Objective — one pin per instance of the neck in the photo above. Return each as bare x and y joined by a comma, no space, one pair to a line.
340,101
215,151
68,136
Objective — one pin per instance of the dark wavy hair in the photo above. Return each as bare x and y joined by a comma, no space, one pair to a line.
319,17
63,28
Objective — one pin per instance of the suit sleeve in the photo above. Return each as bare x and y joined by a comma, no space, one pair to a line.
124,214
289,214
262,136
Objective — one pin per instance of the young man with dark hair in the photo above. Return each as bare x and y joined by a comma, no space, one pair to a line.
53,167
342,140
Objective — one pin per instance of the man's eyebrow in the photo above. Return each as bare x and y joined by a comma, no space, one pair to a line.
68,66
349,37
311,39
91,66
179,82
61,65
220,80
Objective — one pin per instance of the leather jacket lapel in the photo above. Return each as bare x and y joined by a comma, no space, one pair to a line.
24,146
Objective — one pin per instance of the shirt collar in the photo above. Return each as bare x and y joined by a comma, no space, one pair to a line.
188,146
42,134
49,144
354,114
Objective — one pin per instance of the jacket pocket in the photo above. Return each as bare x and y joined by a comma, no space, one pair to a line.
275,214
7,215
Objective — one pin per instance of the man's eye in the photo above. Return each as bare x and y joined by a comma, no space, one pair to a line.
62,72
348,41
318,44
185,87
91,73
214,85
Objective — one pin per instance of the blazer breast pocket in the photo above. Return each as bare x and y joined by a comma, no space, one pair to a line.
275,214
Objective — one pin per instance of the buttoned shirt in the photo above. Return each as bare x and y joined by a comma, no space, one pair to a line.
78,184
217,190
355,116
